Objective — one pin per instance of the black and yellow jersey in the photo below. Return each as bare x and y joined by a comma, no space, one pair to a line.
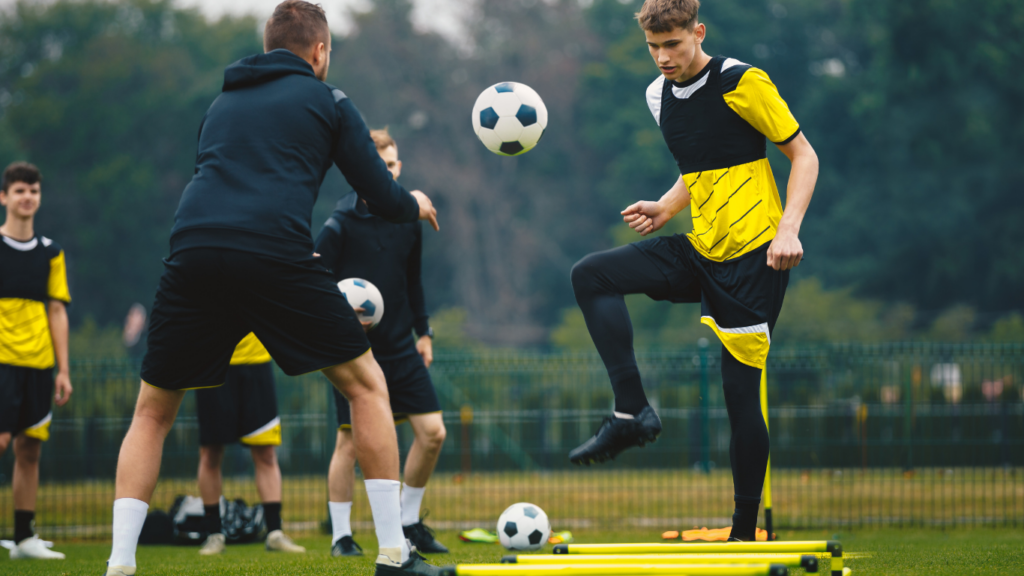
250,351
31,274
715,125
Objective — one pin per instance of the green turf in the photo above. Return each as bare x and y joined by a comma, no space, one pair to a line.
901,552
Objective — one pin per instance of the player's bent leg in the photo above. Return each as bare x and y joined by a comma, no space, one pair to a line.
362,383
749,447
138,466
429,434
25,485
341,480
210,489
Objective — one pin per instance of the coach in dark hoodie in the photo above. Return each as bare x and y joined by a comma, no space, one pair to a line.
241,260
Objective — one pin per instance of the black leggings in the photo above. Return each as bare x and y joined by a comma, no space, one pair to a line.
600,281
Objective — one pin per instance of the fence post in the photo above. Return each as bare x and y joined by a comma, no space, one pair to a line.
705,425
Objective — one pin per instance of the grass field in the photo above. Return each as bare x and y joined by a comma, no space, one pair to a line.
902,552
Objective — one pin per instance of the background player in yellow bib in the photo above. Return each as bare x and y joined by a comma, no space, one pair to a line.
243,410
715,115
33,338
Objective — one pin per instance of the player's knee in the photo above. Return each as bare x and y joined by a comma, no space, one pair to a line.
27,450
210,456
433,436
583,274
345,447
264,456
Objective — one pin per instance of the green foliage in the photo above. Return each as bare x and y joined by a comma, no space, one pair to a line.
810,313
1008,329
90,341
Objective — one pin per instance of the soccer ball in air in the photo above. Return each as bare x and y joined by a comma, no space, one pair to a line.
509,118
363,294
523,526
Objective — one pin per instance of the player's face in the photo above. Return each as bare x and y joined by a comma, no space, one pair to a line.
21,199
674,51
390,157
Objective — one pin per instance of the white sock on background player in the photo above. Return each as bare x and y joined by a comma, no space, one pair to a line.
412,498
129,516
387,515
341,520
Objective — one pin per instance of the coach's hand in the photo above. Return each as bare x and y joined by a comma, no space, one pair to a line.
366,325
425,346
62,384
785,251
646,216
427,210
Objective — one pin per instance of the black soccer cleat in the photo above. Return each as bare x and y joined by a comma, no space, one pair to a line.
422,537
617,434
416,565
346,546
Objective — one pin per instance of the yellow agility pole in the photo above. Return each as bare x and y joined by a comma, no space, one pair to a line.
768,471
762,569
809,562
832,547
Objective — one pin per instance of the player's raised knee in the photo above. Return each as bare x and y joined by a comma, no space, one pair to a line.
583,273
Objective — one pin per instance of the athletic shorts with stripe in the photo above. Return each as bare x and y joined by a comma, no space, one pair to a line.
409,386
243,410
209,299
26,396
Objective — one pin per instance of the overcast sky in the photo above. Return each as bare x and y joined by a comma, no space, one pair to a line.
439,15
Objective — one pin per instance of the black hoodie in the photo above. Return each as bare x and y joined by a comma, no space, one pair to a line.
265,145
357,244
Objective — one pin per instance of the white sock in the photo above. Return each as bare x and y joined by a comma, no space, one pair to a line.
341,519
387,514
129,516
412,498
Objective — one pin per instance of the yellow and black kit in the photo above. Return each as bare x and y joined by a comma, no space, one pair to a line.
31,274
716,124
244,409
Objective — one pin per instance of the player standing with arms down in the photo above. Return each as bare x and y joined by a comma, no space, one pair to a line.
715,114
243,410
33,337
356,244
241,260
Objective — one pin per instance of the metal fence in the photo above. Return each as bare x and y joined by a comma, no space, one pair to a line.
883,435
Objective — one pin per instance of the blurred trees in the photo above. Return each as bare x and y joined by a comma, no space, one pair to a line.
911,106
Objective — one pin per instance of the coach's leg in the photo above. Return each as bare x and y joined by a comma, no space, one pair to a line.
25,484
211,484
341,480
749,447
428,438
361,381
138,467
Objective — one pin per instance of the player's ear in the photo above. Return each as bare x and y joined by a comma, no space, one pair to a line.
398,168
698,33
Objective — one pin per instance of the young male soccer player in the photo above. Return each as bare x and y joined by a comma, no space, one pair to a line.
241,260
244,409
715,114
33,337
356,244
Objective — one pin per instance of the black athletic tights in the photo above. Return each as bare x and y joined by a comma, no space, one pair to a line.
600,281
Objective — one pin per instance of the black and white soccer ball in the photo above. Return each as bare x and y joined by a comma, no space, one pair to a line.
363,294
509,118
523,526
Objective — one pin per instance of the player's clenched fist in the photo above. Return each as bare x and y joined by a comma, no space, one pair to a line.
646,216
785,251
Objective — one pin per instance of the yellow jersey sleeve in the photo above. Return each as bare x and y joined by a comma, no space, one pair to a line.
757,100
250,351
57,286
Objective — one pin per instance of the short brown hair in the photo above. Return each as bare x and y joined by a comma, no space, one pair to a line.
297,26
20,172
666,15
382,139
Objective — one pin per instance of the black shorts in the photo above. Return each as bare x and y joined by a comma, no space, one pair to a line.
26,395
209,299
740,299
243,410
409,386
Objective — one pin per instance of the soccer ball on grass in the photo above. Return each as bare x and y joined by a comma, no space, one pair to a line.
523,526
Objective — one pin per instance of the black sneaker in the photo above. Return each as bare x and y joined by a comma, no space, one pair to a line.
346,546
416,565
422,537
617,434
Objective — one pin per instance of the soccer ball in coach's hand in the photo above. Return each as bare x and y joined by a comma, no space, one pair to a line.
509,118
523,526
363,294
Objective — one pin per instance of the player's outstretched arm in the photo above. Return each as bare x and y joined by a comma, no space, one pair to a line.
786,251
57,314
646,216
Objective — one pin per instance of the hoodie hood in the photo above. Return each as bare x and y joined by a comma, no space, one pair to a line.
350,206
263,68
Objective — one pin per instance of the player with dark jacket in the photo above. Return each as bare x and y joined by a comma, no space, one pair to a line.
354,243
241,260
